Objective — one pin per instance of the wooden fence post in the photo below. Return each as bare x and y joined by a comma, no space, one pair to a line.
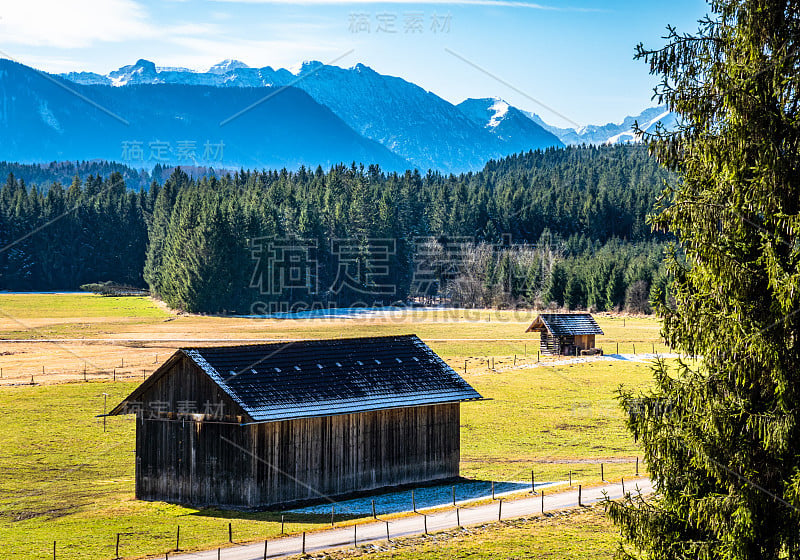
374,514
542,501
623,486
579,495
117,549
570,478
458,517
493,489
331,516
637,466
602,477
500,510
413,502
387,533
355,536
533,484
54,550
454,496
230,532
425,519
304,542
178,540
282,522
265,549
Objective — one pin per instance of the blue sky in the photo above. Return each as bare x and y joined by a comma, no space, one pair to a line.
575,56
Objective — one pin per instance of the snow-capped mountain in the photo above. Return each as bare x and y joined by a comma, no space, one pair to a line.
410,124
611,133
44,118
227,65
415,124
510,125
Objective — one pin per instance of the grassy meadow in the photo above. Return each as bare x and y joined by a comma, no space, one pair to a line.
575,535
64,479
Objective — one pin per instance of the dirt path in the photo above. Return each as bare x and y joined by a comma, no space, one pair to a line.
376,531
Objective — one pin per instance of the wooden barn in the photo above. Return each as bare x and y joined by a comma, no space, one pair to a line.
566,334
257,426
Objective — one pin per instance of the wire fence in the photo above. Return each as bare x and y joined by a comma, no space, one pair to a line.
139,367
375,524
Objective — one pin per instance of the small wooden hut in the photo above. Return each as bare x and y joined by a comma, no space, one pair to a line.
254,427
566,334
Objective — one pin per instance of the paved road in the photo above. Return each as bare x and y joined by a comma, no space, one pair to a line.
376,531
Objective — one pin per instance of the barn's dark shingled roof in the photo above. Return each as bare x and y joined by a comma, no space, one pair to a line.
565,324
304,379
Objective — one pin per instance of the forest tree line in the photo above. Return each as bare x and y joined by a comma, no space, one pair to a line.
560,227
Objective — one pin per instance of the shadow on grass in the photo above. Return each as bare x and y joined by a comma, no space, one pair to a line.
288,517
384,501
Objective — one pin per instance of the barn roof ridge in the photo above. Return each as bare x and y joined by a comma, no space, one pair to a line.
299,341
311,378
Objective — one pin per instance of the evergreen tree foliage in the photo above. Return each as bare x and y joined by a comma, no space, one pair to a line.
205,243
721,436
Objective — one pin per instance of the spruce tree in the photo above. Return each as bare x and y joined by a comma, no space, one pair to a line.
720,435
157,230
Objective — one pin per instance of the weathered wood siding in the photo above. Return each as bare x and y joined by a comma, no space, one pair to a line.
550,345
554,345
261,465
585,341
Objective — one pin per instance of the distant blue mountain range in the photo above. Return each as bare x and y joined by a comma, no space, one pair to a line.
235,116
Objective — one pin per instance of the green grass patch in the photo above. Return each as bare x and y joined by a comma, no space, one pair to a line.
38,306
64,479
577,535
550,419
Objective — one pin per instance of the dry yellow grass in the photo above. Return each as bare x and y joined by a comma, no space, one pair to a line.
67,334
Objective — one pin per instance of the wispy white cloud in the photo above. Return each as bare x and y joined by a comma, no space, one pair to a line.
74,24
495,3
65,25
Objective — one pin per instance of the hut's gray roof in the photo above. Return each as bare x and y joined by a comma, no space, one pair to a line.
565,324
303,379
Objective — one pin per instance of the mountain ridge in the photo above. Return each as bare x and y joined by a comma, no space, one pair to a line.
416,124
43,118
398,124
